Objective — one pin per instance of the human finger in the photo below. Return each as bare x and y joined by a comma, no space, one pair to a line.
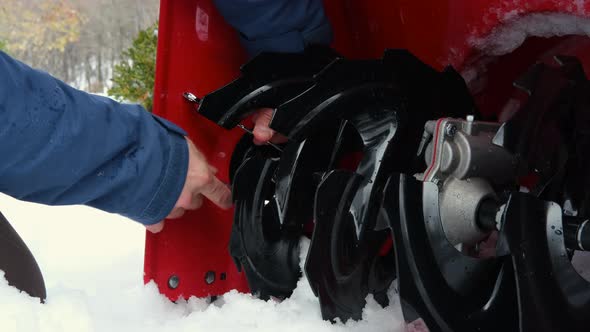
218,193
177,212
155,228
262,132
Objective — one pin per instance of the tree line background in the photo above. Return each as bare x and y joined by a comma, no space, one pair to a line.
85,43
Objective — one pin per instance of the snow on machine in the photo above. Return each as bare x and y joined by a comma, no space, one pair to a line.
440,145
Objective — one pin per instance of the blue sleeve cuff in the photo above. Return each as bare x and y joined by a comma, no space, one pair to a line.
172,180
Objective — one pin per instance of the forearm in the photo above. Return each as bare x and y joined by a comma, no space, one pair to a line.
63,146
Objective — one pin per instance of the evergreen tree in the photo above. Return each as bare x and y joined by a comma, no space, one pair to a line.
133,78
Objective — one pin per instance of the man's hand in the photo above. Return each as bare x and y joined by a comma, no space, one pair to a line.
200,182
262,132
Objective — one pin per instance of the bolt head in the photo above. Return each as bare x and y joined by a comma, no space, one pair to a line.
173,282
209,277
450,130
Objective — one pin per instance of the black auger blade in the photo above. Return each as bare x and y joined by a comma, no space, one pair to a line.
341,268
538,132
257,244
541,229
371,108
369,96
399,81
446,289
268,80
552,296
343,264
273,194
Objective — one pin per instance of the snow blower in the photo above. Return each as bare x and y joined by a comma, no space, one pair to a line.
437,147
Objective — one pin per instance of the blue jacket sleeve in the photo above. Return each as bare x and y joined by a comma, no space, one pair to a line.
63,146
277,25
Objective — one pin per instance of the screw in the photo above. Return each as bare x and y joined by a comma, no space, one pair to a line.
450,130
191,97
173,282
210,277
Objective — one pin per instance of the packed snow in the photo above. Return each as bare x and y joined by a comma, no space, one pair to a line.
92,264
513,32
517,29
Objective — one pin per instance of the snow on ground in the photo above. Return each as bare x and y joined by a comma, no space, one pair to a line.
93,262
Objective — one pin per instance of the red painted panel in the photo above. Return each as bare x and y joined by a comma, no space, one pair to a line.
197,52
